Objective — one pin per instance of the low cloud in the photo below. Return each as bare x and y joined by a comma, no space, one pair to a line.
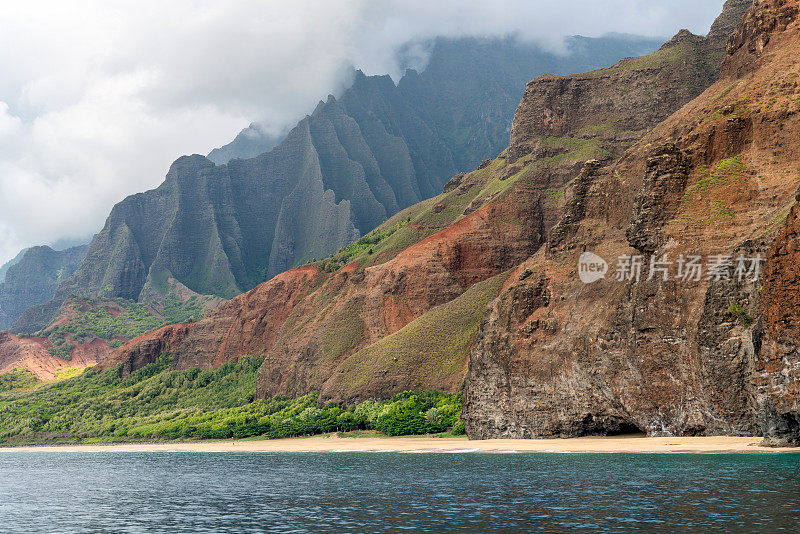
97,100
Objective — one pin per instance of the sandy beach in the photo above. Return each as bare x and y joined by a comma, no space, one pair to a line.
335,443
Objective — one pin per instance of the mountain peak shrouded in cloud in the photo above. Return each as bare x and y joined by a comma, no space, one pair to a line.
97,100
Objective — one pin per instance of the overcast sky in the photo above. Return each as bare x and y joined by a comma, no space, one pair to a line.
97,98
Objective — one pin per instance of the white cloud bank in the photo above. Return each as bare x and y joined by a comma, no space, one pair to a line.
97,98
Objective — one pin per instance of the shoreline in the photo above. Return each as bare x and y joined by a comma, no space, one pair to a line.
428,444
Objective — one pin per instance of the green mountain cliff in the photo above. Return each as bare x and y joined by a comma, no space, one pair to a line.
33,278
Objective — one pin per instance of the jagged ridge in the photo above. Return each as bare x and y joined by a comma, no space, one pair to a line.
342,171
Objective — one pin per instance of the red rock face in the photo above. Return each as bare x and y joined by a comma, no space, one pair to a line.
616,105
231,332
778,367
746,46
32,354
559,358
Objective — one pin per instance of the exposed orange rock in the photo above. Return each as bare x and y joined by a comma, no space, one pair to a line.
32,355
778,365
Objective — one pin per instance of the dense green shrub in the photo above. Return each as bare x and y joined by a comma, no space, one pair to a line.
17,379
738,311
423,413
96,321
63,351
177,311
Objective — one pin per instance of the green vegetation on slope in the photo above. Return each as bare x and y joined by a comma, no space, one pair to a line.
178,311
722,173
360,246
444,336
98,321
738,311
574,150
116,320
17,379
705,197
158,403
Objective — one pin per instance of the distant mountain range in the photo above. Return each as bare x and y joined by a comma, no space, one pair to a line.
32,278
7,265
266,206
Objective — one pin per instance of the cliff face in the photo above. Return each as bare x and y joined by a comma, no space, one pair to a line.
616,105
7,265
777,382
713,354
34,278
343,170
777,379
564,121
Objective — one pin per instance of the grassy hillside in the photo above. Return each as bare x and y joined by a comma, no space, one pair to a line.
434,346
114,321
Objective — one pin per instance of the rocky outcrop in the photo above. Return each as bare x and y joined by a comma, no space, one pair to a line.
564,121
669,352
614,106
659,198
747,43
34,278
575,205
